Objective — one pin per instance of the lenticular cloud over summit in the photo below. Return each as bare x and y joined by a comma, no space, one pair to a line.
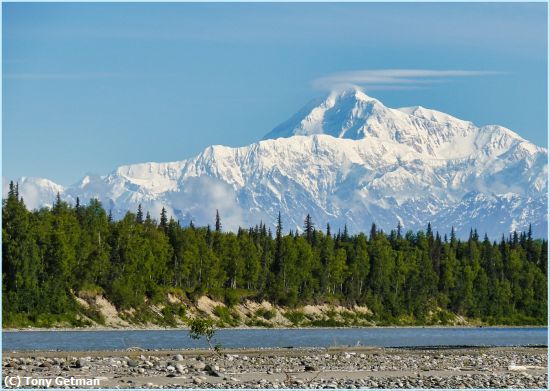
345,159
389,78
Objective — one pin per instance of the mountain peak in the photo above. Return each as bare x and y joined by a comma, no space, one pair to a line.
352,91
339,114
350,113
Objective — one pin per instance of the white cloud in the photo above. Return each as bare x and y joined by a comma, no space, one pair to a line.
391,79
200,198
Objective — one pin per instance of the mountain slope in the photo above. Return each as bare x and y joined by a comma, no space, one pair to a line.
347,159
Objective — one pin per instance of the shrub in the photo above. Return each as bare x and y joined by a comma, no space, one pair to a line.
204,327
90,291
445,317
232,297
259,323
265,313
222,313
227,316
295,317
93,314
349,317
173,312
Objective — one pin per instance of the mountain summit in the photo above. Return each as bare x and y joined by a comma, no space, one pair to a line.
341,114
348,160
351,114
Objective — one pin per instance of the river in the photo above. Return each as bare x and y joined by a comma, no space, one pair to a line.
276,338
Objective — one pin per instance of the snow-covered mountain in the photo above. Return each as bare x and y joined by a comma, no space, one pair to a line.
36,192
345,159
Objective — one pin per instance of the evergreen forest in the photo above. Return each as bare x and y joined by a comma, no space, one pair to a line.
51,255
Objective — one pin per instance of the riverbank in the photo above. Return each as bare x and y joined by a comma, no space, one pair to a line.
97,313
495,367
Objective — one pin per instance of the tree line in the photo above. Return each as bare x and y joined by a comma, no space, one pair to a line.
52,254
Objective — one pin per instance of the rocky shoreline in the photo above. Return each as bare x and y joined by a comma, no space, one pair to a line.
496,367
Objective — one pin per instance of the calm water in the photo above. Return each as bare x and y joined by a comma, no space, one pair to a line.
325,337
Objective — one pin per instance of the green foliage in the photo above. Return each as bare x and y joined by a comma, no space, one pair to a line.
265,313
201,327
92,313
232,297
255,322
204,328
296,317
50,255
89,291
350,318
143,314
445,317
172,313
227,316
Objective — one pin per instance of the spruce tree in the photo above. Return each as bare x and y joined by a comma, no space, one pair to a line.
139,215
345,235
308,228
529,248
11,192
373,231
163,224
278,256
57,205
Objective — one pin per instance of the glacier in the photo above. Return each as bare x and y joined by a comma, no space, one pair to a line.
345,159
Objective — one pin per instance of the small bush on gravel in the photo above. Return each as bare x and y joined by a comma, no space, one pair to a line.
204,327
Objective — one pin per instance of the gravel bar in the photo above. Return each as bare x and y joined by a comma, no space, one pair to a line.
335,368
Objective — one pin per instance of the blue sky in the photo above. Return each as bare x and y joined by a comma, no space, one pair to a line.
88,87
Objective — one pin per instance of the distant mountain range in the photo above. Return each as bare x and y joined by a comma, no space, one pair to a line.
347,160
